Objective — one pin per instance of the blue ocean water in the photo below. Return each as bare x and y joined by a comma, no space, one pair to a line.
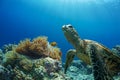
97,20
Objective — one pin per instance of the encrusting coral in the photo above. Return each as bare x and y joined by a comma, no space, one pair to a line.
37,48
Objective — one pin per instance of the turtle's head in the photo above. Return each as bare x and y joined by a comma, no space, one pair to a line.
70,34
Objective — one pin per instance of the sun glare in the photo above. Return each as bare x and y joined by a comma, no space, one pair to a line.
88,1
82,1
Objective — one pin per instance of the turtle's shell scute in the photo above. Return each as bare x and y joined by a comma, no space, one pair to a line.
112,60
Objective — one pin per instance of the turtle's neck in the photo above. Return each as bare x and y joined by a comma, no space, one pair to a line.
79,45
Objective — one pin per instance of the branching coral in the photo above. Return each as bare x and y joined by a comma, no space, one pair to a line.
37,48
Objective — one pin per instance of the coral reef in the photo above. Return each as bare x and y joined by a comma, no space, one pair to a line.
11,58
8,47
52,67
116,50
37,48
26,64
35,69
31,60
55,53
6,73
1,56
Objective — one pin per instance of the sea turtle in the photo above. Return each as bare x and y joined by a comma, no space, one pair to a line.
84,48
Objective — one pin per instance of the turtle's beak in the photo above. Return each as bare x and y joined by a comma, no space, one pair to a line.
65,27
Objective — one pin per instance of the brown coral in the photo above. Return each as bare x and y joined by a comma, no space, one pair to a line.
37,48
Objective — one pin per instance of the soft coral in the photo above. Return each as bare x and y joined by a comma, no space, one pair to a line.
37,48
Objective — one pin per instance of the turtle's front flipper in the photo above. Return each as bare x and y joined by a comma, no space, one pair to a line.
70,55
100,71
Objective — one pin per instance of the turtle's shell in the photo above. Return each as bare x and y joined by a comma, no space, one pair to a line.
111,60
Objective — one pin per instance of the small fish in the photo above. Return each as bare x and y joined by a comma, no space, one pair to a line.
53,44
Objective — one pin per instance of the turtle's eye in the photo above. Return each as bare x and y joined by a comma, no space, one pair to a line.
70,26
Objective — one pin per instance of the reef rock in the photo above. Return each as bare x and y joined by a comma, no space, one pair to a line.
79,71
116,49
